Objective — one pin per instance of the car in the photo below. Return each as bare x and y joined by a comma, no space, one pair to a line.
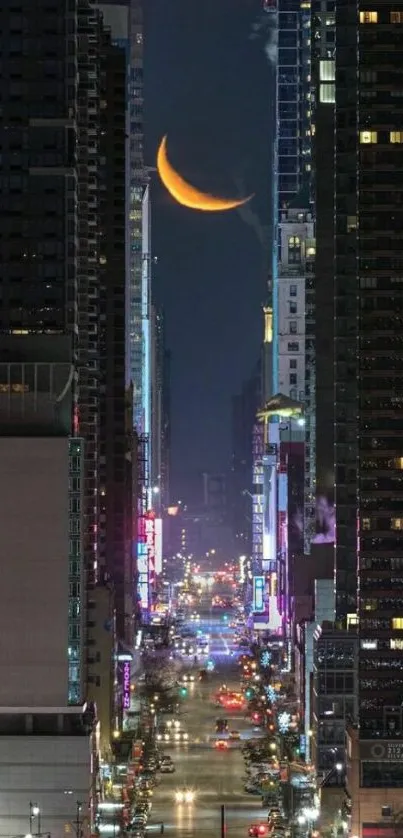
234,735
167,768
221,745
188,678
185,796
257,829
221,725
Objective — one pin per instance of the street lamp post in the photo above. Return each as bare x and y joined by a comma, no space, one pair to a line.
34,812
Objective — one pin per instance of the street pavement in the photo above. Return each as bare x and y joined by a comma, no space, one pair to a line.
216,777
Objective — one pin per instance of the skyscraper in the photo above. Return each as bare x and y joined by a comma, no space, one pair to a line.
115,479
368,358
358,93
49,355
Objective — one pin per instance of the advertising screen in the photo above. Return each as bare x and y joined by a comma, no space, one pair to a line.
325,521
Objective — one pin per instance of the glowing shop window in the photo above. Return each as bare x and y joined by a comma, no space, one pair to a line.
396,17
398,462
397,623
367,137
368,17
396,644
396,523
366,523
396,136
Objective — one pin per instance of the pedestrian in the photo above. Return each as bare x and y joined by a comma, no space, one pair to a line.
162,829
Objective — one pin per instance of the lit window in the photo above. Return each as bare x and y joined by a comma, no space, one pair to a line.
327,70
397,623
396,17
368,17
396,523
351,223
367,137
369,644
398,462
396,136
366,524
396,644
327,94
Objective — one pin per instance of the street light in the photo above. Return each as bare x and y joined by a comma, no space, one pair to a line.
34,812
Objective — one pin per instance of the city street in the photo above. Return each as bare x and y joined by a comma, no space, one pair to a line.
216,777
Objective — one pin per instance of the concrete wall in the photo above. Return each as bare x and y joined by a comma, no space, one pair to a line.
34,558
51,772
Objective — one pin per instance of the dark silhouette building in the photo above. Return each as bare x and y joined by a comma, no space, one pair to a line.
244,408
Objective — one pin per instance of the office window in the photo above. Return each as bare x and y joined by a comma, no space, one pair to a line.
396,523
294,249
293,363
397,623
294,347
293,290
327,70
327,93
396,136
368,17
293,327
293,307
368,137
366,524
396,17
293,378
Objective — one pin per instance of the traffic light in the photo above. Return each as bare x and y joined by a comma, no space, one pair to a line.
183,692
249,693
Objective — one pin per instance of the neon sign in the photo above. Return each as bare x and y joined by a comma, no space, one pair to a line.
126,685
258,594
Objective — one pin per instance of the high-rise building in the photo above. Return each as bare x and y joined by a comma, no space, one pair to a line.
368,361
357,148
115,461
49,419
160,410
244,407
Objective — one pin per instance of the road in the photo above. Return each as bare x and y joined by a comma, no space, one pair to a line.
216,777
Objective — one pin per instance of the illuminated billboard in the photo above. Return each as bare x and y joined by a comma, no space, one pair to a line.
258,594
158,546
325,519
149,531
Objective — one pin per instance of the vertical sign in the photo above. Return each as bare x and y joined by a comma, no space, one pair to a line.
158,545
149,525
126,685
258,594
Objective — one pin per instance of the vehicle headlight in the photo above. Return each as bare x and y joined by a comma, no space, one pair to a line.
189,796
166,737
179,797
169,724
177,737
186,736
159,737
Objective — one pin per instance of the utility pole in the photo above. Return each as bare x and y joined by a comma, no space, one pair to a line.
78,819
223,822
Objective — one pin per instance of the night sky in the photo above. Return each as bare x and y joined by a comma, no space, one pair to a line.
208,86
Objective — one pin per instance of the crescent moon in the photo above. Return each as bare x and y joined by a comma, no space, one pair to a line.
186,194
